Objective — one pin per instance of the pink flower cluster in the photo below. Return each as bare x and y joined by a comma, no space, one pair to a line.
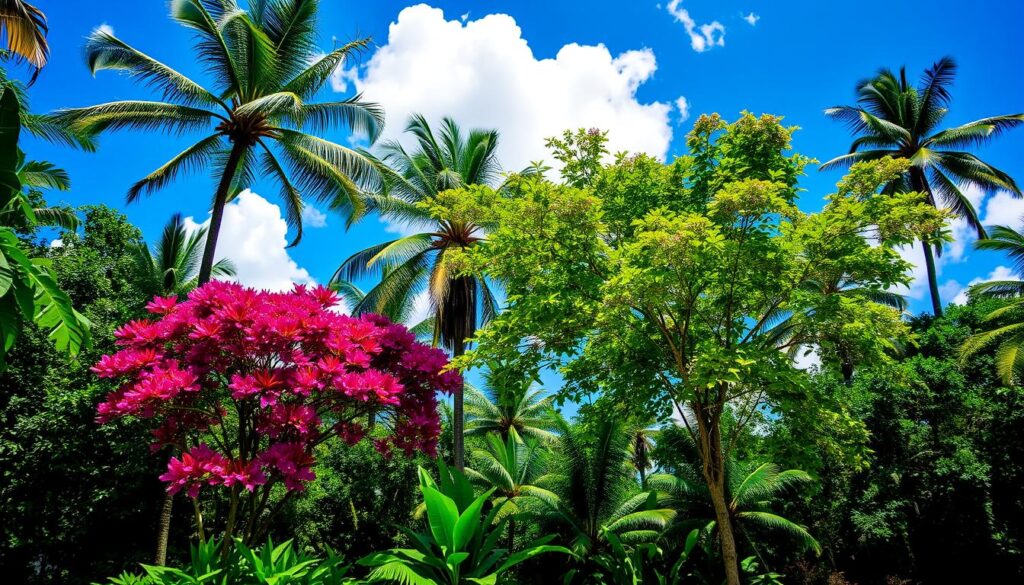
294,371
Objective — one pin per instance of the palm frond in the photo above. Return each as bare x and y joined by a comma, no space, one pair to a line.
193,158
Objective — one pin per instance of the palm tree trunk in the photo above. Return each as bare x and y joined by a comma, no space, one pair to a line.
920,183
458,438
238,149
933,279
163,530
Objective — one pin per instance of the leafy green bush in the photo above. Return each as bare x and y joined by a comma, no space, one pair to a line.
272,565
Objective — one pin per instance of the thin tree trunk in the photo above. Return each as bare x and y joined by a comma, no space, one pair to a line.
933,279
219,201
713,468
458,439
163,530
920,183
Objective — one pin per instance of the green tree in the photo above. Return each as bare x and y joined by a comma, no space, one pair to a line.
171,267
673,316
267,67
408,265
509,402
509,470
596,488
1007,321
69,485
894,118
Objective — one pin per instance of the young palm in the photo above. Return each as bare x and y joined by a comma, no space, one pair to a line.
751,490
508,403
411,264
511,468
172,266
894,118
1010,337
267,68
595,483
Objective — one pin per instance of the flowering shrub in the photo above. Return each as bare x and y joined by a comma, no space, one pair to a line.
245,384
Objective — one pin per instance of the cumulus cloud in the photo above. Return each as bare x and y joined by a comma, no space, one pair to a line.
702,37
682,109
999,273
313,217
253,236
1002,208
484,73
105,28
751,18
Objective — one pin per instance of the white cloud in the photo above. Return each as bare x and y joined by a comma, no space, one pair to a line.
751,18
57,243
702,37
313,217
1002,208
683,109
253,236
464,17
807,358
999,273
105,28
484,74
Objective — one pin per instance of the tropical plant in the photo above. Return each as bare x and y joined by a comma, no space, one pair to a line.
509,402
510,469
596,490
408,265
24,28
245,384
642,563
894,118
461,544
270,564
171,267
28,291
752,490
1008,320
267,67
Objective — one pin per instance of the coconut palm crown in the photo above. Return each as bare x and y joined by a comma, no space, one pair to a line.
894,118
266,68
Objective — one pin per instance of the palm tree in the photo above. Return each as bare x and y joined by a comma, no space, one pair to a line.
25,29
751,491
510,467
1010,337
408,265
508,403
597,493
894,118
266,67
171,267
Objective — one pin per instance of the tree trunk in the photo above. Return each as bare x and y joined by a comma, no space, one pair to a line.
933,279
458,438
919,182
163,530
713,456
220,200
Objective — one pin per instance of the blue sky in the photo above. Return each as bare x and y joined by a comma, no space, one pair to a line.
796,58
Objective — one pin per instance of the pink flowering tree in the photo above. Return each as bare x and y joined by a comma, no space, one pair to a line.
244,385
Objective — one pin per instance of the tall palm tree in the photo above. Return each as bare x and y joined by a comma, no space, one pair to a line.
408,265
509,403
1009,337
894,118
266,68
752,489
511,468
172,266
596,488
24,30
